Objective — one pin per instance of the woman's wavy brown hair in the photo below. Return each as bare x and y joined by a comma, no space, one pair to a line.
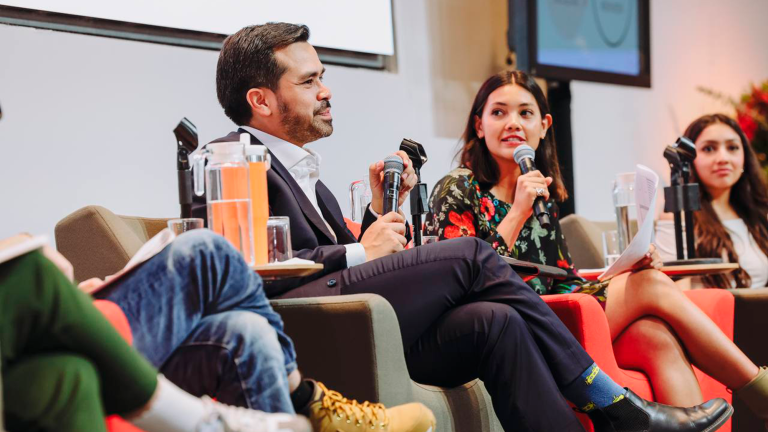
474,153
749,198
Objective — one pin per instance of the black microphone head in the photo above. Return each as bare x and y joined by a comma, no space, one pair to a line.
522,152
686,149
393,163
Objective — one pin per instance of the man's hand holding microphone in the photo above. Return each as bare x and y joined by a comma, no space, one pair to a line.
391,180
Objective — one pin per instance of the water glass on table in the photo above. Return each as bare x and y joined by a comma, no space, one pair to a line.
180,226
427,239
359,198
611,247
279,239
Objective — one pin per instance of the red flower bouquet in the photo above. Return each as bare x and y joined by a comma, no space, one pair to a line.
752,115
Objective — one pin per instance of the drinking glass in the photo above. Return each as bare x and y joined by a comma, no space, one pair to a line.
611,247
427,239
180,226
359,198
279,239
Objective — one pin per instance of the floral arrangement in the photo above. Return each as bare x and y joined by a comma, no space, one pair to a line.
752,115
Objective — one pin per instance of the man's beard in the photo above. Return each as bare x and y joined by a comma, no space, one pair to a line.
302,130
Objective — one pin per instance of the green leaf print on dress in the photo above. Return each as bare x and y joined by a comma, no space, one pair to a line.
537,232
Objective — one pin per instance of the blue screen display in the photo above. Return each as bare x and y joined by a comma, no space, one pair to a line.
598,35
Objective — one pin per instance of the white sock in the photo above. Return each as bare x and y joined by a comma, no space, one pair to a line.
172,410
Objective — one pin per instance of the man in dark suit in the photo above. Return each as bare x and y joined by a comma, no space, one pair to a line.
463,312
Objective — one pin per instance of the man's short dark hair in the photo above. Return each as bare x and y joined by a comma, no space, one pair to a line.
247,60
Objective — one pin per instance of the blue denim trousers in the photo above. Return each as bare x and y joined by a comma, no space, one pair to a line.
200,315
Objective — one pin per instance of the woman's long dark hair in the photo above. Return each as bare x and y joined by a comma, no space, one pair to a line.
474,153
749,198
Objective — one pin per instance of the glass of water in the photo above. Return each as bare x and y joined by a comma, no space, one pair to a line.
611,247
180,226
279,239
359,198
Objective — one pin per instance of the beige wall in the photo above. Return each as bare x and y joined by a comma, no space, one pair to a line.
711,43
88,120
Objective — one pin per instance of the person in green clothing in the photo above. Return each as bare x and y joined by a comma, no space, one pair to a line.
488,197
64,367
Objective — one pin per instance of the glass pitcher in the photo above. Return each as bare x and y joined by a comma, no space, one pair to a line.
227,193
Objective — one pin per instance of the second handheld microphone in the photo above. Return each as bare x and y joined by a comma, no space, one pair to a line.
393,168
524,156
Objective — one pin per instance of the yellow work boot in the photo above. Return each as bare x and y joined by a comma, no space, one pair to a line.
329,411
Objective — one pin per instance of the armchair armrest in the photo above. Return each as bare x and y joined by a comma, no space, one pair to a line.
586,320
350,342
750,317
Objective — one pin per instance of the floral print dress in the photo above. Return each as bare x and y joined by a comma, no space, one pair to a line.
460,207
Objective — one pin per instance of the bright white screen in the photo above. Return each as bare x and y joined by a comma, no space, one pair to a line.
351,25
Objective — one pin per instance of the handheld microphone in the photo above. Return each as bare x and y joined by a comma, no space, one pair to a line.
524,156
393,167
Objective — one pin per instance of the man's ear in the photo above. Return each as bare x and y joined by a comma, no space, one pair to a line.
260,101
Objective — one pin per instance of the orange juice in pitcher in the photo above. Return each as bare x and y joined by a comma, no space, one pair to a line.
258,160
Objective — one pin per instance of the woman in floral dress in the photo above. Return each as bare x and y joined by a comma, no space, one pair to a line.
654,326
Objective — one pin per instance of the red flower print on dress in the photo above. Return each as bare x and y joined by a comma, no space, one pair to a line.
487,208
563,264
463,226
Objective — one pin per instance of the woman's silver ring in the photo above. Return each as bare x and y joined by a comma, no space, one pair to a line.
540,191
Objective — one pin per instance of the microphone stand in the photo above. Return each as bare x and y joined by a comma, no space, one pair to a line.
419,195
682,199
186,142
419,206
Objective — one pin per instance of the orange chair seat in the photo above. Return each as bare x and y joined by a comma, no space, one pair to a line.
117,318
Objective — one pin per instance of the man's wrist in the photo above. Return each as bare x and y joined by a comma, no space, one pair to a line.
355,254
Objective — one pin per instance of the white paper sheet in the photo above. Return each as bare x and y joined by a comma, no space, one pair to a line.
22,247
646,183
151,248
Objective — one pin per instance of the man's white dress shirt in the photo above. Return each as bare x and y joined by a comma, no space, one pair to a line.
304,166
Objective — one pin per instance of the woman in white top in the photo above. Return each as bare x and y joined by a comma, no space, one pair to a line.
733,220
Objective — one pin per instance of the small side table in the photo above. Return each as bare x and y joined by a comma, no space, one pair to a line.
674,271
284,271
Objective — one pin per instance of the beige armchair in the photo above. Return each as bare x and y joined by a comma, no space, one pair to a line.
750,310
352,343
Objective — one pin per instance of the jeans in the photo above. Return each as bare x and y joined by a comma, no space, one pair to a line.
199,314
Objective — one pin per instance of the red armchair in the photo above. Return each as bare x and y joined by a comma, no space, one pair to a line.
115,315
586,320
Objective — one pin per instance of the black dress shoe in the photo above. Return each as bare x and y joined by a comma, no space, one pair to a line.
634,414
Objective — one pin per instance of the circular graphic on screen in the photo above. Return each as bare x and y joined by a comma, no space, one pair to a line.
613,18
567,15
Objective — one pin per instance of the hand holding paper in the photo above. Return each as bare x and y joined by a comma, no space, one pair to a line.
646,183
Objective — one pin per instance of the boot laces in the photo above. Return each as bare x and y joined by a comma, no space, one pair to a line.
366,412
